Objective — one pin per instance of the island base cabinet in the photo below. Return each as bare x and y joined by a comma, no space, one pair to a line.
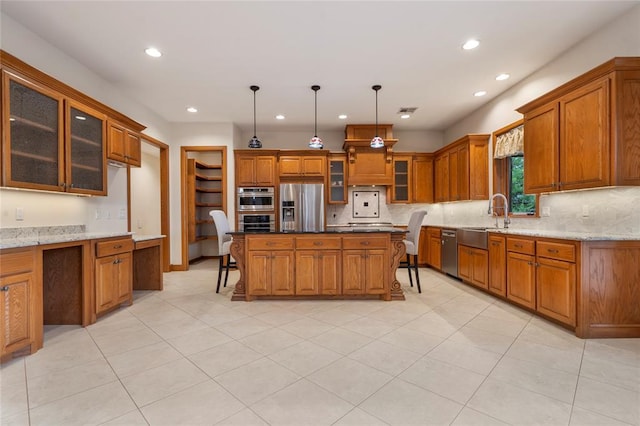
364,272
270,273
556,290
317,272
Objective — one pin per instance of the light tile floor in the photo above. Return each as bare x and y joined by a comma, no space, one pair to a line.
451,355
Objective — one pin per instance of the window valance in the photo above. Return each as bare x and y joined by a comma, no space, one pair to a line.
510,144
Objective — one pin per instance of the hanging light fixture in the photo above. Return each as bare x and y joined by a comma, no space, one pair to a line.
315,141
254,142
377,141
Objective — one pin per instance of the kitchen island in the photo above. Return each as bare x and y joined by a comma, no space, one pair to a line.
340,263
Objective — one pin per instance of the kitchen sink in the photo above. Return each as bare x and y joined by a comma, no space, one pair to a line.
473,237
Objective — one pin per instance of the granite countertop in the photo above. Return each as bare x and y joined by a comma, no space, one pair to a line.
567,235
550,233
330,230
26,237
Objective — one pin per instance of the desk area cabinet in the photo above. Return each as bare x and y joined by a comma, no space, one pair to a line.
114,274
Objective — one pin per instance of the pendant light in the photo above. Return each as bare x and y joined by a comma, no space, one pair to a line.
254,142
315,141
377,141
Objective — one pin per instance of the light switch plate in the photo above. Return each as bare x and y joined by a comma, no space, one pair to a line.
366,204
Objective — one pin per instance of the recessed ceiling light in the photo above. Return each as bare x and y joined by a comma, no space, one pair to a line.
405,116
192,109
153,52
502,76
342,116
279,117
480,93
470,44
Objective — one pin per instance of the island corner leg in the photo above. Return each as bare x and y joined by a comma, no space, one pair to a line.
398,252
237,252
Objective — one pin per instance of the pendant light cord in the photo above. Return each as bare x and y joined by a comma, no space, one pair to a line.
254,113
315,127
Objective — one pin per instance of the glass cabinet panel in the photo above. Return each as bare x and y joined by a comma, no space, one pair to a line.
337,185
34,137
401,179
86,155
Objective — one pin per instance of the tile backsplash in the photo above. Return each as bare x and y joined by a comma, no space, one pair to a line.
613,211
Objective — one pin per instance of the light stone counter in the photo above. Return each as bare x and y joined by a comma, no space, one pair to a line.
549,233
42,235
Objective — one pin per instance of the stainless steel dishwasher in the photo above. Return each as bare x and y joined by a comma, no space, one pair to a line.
450,252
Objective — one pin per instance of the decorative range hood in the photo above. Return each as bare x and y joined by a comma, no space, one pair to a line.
366,165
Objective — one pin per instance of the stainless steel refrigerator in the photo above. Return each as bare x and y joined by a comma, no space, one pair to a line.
302,207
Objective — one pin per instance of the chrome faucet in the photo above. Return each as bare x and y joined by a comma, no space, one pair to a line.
507,221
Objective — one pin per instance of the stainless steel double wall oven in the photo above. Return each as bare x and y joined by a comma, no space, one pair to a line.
256,209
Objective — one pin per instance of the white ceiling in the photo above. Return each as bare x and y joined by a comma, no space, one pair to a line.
214,50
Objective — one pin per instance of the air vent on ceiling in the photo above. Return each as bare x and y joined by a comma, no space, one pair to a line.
407,110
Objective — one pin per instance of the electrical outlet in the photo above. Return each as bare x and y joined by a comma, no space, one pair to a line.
19,213
122,214
106,214
585,210
546,211
98,214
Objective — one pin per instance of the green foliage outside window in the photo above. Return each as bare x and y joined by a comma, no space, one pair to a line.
519,202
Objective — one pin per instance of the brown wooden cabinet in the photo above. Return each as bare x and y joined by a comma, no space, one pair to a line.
441,177
19,315
70,128
113,274
302,165
473,266
69,155
423,249
497,265
401,190
270,266
337,178
521,271
365,270
462,170
422,178
123,145
435,247
556,281
255,168
580,134
318,265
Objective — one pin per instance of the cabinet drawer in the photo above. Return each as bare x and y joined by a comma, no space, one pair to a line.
521,245
316,243
373,242
271,243
111,247
560,251
16,262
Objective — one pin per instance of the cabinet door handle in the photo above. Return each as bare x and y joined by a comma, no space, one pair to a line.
517,245
317,243
493,243
552,250
364,243
117,261
530,263
5,288
118,246
271,243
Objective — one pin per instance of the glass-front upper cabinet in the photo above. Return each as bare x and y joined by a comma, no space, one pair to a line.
86,157
337,174
400,191
33,136
49,141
